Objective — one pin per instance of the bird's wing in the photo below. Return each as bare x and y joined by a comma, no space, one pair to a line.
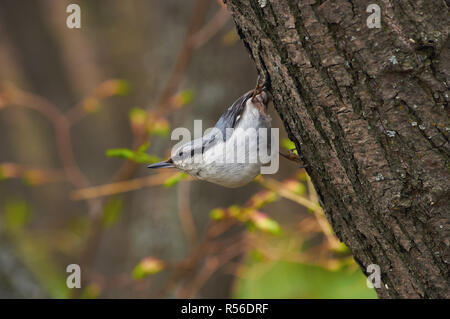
228,119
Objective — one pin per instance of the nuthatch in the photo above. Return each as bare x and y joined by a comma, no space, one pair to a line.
202,157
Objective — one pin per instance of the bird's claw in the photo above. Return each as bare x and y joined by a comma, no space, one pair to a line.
294,157
259,88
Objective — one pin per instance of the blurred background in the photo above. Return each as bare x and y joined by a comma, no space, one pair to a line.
82,111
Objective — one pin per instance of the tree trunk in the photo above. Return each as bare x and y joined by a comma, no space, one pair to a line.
367,109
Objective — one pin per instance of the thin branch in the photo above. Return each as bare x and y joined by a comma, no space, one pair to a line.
279,188
212,265
184,57
120,187
211,28
33,176
184,211
91,103
61,126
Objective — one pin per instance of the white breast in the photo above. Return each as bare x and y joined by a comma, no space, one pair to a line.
220,167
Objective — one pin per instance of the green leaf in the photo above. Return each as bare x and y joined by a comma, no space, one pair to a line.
91,105
16,215
186,96
158,126
303,176
295,186
92,291
148,266
112,87
142,158
236,211
257,255
217,214
78,226
38,257
341,249
2,176
123,87
137,116
285,279
264,223
288,144
301,189
262,199
120,152
175,179
182,98
112,211
144,147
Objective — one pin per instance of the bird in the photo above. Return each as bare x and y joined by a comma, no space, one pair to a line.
212,157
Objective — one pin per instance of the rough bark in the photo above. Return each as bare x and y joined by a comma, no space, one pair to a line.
368,110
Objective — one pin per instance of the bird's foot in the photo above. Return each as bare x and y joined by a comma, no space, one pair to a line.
258,89
294,157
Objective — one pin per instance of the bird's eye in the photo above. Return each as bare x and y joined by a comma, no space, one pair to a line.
181,153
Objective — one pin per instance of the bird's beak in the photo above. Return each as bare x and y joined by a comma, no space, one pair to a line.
168,163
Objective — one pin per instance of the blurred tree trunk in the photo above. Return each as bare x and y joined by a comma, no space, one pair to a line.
367,108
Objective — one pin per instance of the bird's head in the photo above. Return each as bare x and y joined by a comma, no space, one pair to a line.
183,157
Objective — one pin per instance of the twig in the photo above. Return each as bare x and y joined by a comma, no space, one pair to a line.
120,187
106,89
214,230
184,212
61,126
32,175
278,187
212,264
183,59
210,29
292,157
